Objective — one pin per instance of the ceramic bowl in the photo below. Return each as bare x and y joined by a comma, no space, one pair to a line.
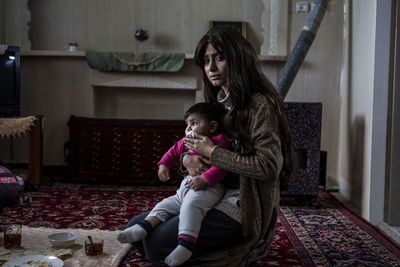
62,240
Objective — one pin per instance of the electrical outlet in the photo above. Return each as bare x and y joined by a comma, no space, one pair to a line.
302,7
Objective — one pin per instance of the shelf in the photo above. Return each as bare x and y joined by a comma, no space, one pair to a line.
145,82
52,53
272,58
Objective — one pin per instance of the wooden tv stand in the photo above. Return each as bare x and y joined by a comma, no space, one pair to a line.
35,170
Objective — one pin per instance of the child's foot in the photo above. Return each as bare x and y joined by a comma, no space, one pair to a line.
132,234
178,256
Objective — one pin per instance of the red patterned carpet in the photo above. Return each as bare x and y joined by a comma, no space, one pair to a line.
326,234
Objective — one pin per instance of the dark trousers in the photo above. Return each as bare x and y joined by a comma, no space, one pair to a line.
217,230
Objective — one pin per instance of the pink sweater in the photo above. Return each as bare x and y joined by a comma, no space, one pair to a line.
213,175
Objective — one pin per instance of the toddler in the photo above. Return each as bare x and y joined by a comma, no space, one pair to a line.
196,194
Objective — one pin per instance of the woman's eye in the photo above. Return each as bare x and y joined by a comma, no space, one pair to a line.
194,123
219,58
206,61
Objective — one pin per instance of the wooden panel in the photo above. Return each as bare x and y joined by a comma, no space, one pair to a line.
116,151
36,152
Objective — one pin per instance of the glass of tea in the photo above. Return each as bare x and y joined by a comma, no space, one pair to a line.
94,246
12,236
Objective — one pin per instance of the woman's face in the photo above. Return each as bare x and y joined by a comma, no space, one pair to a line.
215,67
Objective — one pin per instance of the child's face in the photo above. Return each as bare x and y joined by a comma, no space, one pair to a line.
199,125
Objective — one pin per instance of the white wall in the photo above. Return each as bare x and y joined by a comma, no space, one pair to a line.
172,25
16,23
364,109
381,100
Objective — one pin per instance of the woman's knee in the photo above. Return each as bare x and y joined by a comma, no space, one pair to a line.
218,230
138,218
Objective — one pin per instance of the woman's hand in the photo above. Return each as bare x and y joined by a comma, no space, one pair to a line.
200,144
195,164
163,173
197,183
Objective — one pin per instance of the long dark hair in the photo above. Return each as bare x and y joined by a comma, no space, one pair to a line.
244,79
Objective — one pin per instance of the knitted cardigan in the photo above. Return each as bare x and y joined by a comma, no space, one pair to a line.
259,188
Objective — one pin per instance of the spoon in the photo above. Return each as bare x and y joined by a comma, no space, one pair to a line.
90,239
26,217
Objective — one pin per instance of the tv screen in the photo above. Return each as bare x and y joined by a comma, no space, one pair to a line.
10,76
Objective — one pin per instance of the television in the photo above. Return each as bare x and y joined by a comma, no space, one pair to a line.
10,81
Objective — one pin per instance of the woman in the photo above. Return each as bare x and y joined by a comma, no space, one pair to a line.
262,155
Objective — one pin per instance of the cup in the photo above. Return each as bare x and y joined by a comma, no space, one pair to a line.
72,48
95,248
12,236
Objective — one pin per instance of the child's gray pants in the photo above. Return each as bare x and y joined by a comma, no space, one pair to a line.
191,206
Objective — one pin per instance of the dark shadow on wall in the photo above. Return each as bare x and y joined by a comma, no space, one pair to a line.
356,164
355,138
42,25
251,36
32,25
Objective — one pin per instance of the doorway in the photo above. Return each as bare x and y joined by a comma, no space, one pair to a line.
392,197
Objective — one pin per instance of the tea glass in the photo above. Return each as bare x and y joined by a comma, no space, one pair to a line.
95,248
12,236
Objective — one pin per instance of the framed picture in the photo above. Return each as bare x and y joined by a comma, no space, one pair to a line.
238,25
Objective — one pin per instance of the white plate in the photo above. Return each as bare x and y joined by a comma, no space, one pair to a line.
34,261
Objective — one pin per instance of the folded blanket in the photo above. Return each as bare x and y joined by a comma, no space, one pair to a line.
11,188
121,61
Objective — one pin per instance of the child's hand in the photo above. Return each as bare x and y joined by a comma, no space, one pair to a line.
163,173
195,164
197,183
